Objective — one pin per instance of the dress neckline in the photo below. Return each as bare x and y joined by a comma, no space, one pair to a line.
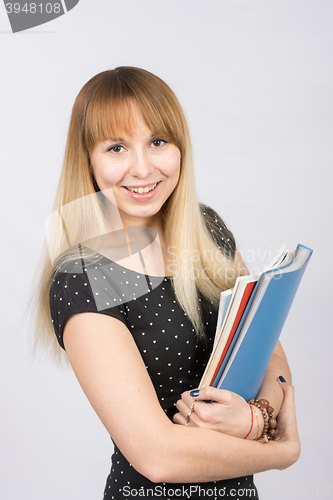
127,269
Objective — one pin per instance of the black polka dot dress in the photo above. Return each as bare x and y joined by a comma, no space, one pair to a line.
175,359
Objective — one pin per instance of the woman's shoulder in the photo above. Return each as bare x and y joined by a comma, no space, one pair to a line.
82,285
219,231
70,293
70,276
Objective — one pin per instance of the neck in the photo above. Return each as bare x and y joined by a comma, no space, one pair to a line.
130,237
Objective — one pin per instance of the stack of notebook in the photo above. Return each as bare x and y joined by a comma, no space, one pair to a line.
251,317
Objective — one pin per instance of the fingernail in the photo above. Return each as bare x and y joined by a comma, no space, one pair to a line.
282,379
195,393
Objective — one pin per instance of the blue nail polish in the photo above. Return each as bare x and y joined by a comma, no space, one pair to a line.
195,393
282,379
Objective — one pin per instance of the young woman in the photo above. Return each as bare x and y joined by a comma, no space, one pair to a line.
130,287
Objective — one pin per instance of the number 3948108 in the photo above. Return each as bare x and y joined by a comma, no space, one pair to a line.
33,8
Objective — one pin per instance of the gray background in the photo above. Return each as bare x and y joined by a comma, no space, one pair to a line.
255,80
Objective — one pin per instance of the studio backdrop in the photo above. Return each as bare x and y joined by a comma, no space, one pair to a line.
255,81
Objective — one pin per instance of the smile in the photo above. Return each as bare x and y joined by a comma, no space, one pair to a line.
142,190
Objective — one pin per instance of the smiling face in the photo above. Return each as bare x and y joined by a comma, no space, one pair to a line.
142,169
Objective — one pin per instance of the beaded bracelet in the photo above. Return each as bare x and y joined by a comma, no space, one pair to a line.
269,422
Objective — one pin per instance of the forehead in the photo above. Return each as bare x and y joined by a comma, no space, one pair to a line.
124,119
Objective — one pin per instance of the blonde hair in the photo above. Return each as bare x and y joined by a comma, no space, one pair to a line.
102,110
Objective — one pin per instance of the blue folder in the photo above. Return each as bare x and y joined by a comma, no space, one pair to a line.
250,352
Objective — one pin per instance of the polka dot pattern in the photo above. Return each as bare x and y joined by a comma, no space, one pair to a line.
174,357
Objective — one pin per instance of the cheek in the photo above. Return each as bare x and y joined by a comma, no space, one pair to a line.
106,176
172,165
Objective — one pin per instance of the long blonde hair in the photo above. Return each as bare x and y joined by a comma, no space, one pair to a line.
102,110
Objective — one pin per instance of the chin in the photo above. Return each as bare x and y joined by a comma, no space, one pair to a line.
139,212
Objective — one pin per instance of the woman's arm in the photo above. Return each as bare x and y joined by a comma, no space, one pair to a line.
113,376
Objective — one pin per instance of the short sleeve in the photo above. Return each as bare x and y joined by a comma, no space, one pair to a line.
221,235
78,289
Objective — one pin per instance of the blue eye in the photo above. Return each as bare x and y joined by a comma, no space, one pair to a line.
116,148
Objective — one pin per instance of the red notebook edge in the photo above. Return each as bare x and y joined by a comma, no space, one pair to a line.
246,296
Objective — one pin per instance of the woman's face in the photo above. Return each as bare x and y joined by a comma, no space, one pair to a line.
142,170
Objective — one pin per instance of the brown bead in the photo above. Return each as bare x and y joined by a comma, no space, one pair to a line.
272,423
263,403
251,401
271,432
270,410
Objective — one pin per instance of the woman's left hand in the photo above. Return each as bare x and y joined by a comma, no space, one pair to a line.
228,413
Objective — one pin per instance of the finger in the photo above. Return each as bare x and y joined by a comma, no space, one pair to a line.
206,402
286,419
189,413
212,394
199,395
191,420
289,394
186,398
196,421
178,418
183,408
204,413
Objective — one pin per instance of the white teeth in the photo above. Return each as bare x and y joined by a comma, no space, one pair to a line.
142,190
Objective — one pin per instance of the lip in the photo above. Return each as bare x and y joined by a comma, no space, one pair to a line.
144,196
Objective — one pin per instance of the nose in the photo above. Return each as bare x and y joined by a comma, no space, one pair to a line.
141,165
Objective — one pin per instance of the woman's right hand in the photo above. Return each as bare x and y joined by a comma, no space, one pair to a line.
286,430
